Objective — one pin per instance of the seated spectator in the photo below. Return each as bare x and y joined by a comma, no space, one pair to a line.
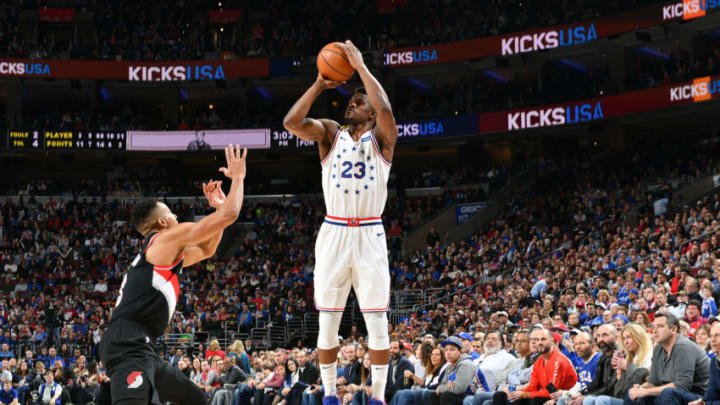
23,381
585,360
461,376
49,392
713,392
551,371
359,393
8,395
214,350
434,373
494,360
80,393
680,370
237,349
396,380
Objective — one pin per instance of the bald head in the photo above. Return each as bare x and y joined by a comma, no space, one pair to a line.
715,337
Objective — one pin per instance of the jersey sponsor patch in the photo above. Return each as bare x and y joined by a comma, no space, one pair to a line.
134,380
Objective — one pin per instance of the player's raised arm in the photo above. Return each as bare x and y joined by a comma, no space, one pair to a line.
385,127
191,233
309,129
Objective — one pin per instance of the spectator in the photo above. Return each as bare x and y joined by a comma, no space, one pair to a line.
434,373
713,392
8,395
460,378
551,369
80,393
585,360
49,392
237,349
683,376
214,350
396,380
467,340
495,360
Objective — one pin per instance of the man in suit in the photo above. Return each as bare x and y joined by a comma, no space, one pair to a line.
396,372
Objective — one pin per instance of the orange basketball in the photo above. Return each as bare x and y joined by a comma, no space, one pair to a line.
333,63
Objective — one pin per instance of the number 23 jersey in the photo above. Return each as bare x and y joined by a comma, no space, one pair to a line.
355,176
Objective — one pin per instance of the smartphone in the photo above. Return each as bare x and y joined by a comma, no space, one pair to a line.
551,388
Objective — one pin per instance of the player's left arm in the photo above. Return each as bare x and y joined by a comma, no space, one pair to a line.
200,251
385,127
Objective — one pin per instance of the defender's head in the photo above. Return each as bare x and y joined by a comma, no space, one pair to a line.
151,215
359,110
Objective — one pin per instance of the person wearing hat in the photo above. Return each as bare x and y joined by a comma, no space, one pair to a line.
461,379
8,394
467,340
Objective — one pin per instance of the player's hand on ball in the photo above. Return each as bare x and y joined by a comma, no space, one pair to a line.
235,162
353,54
324,83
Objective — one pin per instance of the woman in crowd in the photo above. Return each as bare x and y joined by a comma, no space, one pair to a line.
196,373
434,373
285,395
238,349
214,350
632,368
81,367
702,339
357,394
422,361
22,381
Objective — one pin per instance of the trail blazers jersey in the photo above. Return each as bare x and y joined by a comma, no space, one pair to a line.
149,294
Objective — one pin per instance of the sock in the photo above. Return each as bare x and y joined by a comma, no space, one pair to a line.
379,379
328,375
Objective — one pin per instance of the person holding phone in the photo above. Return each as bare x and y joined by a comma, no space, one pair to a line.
552,372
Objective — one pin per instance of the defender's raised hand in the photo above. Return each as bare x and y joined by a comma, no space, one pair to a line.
235,162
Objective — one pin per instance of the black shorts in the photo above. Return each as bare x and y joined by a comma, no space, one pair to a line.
137,374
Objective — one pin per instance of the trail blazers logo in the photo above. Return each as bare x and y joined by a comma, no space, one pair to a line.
135,380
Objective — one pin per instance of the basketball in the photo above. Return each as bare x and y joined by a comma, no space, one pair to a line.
333,63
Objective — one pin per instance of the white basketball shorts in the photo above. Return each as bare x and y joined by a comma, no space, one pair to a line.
351,253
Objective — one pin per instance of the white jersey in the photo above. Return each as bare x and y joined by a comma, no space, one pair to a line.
354,177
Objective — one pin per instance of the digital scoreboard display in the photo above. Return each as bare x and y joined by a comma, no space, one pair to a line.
66,140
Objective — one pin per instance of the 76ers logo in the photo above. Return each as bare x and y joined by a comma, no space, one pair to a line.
135,379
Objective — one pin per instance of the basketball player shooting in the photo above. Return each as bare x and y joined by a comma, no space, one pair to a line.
149,293
351,250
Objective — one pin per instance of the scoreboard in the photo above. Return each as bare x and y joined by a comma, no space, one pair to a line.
66,140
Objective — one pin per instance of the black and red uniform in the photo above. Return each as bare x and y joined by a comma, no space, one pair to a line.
138,376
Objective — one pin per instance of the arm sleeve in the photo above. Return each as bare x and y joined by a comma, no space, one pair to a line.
275,382
654,379
534,389
463,378
712,396
684,369
567,377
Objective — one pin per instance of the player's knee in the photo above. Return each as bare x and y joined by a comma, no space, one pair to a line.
377,326
329,323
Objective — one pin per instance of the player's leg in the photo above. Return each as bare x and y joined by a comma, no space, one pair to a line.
371,281
173,386
332,280
131,383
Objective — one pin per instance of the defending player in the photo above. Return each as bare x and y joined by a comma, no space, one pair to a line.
150,289
350,249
